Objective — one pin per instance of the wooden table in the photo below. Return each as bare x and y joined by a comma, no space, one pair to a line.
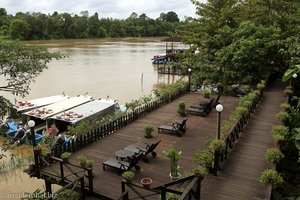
123,153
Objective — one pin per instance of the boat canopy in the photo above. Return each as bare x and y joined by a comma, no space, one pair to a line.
22,106
46,112
93,108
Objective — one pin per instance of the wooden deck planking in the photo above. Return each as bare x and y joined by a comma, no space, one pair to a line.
239,175
108,182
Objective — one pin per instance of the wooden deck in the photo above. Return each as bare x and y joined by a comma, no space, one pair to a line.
239,175
198,128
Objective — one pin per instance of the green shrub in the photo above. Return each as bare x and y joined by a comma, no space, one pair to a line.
66,154
238,113
128,175
200,171
206,93
148,130
274,155
282,116
280,132
270,176
204,157
285,106
181,108
216,145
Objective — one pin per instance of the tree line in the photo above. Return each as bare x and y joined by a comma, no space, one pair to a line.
39,26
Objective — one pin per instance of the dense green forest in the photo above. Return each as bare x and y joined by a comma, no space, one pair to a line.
38,26
241,42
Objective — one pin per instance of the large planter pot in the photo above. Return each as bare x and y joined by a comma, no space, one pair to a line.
37,151
174,178
65,160
146,182
83,165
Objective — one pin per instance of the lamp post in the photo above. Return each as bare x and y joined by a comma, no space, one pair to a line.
293,81
292,84
219,109
189,70
31,124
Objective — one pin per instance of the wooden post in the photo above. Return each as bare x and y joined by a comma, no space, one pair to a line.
122,186
216,163
48,190
90,175
163,193
82,188
62,176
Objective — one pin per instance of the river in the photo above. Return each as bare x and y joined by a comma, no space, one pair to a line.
119,68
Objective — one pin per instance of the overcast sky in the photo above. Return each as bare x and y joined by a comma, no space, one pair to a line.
120,9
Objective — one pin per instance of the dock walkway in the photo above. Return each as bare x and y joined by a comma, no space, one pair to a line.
238,178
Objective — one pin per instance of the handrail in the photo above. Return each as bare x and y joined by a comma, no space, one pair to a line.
192,190
234,133
110,127
81,179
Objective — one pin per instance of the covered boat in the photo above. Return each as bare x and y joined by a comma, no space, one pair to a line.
92,109
23,106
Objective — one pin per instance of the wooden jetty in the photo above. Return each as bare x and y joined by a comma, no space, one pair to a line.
236,179
108,183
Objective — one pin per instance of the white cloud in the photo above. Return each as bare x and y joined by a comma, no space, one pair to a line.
105,8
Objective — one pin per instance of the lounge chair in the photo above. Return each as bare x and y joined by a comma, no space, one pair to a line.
176,127
122,166
201,110
144,151
215,101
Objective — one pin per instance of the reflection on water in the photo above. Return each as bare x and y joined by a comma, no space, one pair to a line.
120,68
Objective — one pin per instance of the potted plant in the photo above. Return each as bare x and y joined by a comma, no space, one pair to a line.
172,196
174,156
288,91
148,130
82,161
128,176
146,182
37,150
200,171
65,156
46,151
204,158
216,145
279,133
206,93
285,106
274,155
270,176
181,108
89,163
283,116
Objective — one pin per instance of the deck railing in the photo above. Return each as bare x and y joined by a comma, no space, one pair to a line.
238,128
65,175
191,185
110,127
